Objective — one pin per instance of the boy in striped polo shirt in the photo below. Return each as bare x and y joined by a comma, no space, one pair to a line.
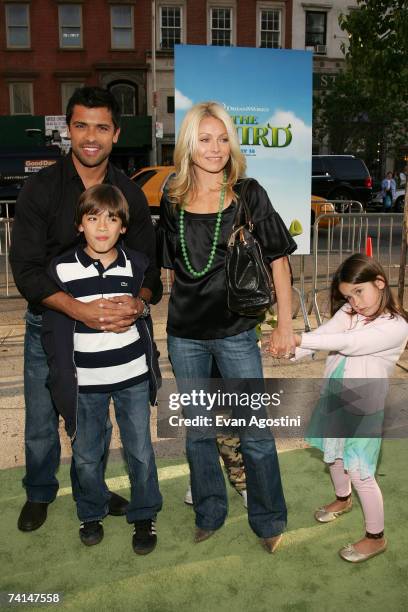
90,367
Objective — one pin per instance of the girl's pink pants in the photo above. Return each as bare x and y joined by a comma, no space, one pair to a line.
368,492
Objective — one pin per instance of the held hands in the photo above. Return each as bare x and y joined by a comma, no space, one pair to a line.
282,343
116,314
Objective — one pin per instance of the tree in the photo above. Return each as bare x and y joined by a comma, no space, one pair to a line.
366,109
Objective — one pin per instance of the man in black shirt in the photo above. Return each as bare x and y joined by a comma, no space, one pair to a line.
43,228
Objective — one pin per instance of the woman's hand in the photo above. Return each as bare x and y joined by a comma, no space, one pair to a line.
282,343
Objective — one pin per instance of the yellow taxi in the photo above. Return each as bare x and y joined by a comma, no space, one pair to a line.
153,180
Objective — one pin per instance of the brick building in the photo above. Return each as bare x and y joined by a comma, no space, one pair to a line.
50,47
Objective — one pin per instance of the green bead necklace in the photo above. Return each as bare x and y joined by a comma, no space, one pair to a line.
215,239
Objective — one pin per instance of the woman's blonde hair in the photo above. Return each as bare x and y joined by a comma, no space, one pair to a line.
184,182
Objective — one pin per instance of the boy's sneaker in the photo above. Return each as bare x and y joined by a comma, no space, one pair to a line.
188,498
91,533
144,536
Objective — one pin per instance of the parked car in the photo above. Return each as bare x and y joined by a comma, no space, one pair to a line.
320,206
341,177
153,181
398,203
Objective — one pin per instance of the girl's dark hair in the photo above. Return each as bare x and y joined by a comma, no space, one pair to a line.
359,268
102,197
94,97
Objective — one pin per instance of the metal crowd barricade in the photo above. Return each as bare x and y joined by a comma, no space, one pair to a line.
5,271
349,235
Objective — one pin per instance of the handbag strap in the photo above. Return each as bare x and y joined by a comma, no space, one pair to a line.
243,208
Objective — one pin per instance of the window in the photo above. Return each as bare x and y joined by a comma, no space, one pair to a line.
122,36
170,105
143,177
315,28
171,20
70,31
125,94
17,26
67,89
318,168
21,99
270,28
221,27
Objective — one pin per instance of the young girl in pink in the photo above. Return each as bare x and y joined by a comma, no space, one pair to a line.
366,335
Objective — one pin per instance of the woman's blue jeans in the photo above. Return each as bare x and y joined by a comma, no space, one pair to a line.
88,449
237,357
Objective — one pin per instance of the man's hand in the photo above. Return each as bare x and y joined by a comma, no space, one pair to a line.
115,314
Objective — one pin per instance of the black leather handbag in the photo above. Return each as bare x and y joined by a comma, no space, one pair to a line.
250,289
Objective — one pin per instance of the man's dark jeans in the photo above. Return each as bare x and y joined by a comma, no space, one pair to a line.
42,443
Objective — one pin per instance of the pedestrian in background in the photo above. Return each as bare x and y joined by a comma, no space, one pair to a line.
388,191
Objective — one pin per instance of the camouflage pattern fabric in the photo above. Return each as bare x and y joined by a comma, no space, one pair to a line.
229,449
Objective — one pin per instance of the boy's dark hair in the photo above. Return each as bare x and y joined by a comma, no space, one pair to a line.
94,97
99,198
359,268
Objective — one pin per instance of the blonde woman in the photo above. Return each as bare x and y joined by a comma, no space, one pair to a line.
196,220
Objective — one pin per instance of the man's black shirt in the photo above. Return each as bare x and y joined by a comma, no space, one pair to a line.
44,228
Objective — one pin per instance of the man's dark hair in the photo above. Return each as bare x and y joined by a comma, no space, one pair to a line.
94,97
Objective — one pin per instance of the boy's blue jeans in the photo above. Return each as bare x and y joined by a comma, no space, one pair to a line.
133,416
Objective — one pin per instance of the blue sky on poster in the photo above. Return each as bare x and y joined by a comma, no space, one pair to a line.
278,84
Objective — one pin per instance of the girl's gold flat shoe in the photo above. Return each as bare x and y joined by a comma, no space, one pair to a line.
325,516
349,553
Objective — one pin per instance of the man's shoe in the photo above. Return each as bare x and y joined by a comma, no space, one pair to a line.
32,515
202,534
144,536
349,553
117,505
188,498
271,544
324,516
91,533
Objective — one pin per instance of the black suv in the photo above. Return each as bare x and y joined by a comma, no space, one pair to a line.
341,177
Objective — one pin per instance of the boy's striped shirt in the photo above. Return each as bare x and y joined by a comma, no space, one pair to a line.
104,361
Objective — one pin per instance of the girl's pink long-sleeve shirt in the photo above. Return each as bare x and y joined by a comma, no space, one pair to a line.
371,348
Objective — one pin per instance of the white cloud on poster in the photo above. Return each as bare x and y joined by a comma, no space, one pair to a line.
181,101
301,145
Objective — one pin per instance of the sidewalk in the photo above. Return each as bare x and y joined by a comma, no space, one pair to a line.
11,383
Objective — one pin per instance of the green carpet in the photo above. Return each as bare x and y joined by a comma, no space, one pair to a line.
230,572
